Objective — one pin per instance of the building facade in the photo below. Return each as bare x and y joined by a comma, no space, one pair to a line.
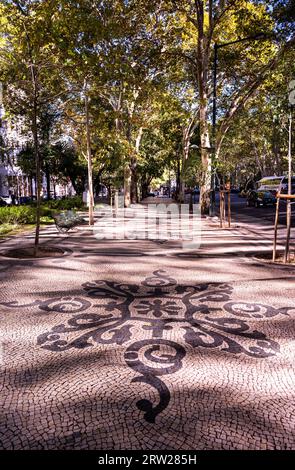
14,181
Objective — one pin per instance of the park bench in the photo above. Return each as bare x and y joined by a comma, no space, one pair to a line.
66,220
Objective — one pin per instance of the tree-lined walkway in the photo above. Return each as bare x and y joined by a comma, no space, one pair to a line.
136,344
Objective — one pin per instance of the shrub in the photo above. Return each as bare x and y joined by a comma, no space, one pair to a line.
17,215
65,204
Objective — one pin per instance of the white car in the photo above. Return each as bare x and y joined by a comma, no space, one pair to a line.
8,200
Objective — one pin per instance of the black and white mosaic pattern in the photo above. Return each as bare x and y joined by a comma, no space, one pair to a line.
107,313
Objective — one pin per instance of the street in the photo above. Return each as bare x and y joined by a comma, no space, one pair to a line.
239,208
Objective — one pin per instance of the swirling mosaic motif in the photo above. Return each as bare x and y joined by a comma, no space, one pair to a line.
204,314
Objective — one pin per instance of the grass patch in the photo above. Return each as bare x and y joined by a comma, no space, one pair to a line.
12,229
7,228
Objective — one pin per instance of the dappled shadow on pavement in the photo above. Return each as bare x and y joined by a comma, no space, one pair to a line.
140,345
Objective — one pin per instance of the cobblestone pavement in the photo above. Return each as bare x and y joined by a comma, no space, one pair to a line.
135,344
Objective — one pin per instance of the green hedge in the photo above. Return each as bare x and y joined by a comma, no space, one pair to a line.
65,204
19,215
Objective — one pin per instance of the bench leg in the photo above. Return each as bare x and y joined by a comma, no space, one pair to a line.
62,229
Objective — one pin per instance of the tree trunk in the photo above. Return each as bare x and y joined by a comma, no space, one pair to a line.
37,158
31,190
188,132
182,176
133,184
202,74
206,160
127,185
185,154
134,179
127,174
109,194
178,178
48,183
144,189
89,161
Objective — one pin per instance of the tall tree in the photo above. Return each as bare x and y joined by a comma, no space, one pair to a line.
28,69
188,30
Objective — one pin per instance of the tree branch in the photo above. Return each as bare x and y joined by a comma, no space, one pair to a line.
248,90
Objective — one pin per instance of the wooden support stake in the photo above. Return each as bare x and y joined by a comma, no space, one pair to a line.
116,201
221,208
228,210
274,251
224,208
191,209
223,202
287,247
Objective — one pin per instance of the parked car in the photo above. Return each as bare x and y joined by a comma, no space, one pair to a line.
7,199
284,185
265,192
150,194
25,200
